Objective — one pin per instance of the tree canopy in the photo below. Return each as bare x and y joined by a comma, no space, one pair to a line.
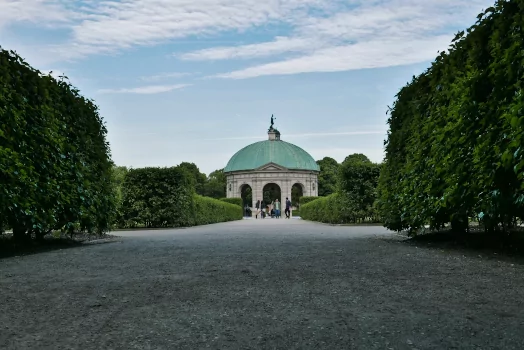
327,179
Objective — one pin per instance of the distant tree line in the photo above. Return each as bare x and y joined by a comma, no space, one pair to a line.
347,191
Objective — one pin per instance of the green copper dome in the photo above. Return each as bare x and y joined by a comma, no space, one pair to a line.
276,151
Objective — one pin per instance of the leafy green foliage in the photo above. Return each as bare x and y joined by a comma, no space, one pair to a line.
117,179
329,209
306,199
327,179
358,181
55,166
455,145
165,197
355,196
158,197
198,178
209,211
357,157
235,201
215,185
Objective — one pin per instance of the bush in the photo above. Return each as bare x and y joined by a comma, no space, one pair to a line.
336,208
306,199
55,166
324,209
236,201
158,197
165,197
357,183
209,211
454,149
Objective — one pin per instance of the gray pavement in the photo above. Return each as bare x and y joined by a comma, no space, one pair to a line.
260,284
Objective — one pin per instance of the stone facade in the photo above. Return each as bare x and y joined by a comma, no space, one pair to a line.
272,173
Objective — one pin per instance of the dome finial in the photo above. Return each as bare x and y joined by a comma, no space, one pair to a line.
272,122
274,134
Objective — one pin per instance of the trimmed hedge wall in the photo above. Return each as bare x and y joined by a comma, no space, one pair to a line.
327,209
165,197
55,165
209,211
455,147
236,201
305,199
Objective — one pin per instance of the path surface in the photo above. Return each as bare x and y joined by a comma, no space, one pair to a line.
260,284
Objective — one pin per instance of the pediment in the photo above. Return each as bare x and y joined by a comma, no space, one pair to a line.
271,167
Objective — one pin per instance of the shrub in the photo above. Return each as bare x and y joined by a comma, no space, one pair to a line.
158,197
209,211
454,147
306,199
236,201
55,166
337,208
165,197
357,183
324,209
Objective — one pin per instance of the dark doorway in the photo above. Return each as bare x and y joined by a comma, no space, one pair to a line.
247,199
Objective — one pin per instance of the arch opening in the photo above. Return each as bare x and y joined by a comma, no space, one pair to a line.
246,193
297,191
271,192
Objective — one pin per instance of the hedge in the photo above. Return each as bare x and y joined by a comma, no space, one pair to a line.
55,166
158,197
236,201
327,209
357,182
337,208
209,211
306,199
165,197
456,133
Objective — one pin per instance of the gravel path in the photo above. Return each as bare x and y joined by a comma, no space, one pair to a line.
260,284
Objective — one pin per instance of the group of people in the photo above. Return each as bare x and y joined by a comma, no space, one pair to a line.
273,209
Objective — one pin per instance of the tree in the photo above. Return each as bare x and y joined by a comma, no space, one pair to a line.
357,182
327,179
215,185
199,178
357,156
118,177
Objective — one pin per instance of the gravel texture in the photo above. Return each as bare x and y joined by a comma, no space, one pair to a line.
260,284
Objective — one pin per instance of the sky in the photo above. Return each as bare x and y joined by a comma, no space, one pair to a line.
197,80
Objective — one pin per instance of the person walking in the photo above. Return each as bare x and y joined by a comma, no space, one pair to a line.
262,209
277,208
288,208
257,206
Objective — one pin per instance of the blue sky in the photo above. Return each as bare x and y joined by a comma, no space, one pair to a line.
184,80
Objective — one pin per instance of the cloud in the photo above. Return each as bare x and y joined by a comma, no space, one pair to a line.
375,54
43,12
145,90
110,26
313,35
279,46
373,34
163,76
